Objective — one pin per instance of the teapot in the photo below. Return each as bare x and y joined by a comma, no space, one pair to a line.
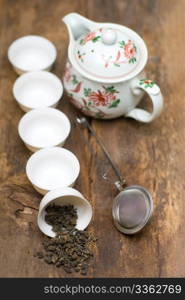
104,75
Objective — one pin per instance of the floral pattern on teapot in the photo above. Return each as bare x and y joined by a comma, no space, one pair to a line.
129,50
126,54
91,101
106,77
91,36
146,83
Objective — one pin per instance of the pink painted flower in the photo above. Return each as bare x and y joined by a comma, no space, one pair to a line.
89,37
101,98
147,81
129,50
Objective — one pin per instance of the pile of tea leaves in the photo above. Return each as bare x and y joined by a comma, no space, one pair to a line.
70,248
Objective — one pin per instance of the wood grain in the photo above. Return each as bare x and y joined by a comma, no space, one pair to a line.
151,155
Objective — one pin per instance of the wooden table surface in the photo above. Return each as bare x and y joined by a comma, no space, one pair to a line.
150,155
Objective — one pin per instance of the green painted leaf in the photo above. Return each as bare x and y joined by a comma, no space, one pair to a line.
151,84
132,60
96,39
122,44
116,65
111,89
114,104
87,92
74,80
81,41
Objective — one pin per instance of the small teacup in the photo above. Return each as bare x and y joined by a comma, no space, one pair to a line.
52,168
44,127
65,196
37,89
32,53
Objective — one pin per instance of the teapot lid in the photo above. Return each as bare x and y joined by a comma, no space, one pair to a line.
110,53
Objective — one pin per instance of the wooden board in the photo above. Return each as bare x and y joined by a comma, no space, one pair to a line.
150,155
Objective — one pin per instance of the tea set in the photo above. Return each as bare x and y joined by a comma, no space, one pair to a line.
104,74
104,79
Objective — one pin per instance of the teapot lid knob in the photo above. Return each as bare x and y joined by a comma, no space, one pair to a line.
109,36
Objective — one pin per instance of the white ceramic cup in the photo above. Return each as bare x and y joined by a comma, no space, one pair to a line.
44,127
52,168
65,196
32,53
37,89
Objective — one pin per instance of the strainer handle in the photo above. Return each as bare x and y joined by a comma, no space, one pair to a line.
155,95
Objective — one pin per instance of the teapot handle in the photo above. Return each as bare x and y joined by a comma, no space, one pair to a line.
155,95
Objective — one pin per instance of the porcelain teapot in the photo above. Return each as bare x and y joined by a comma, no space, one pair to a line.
104,75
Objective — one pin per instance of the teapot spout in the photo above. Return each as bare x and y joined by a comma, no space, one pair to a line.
77,25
